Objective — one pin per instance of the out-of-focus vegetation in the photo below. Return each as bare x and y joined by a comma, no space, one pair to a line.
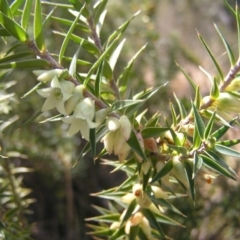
60,193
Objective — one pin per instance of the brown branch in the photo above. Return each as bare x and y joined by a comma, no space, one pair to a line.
230,76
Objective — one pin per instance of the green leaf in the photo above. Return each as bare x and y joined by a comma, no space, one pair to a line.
100,59
98,80
174,115
153,131
152,220
48,17
13,28
30,63
212,57
73,64
229,7
198,122
222,130
4,7
227,151
215,89
90,47
119,32
4,32
26,14
164,171
176,140
238,27
209,127
179,149
190,80
98,10
212,164
129,211
228,49
189,174
123,79
134,144
32,90
31,119
229,143
182,109
78,5
197,164
118,105
107,71
68,35
15,56
16,5
114,57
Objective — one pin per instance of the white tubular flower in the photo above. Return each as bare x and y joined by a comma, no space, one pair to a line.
56,95
82,118
72,102
47,76
115,140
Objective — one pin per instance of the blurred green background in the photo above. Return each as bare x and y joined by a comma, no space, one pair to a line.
61,192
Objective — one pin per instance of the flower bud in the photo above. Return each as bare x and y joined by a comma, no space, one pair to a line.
234,85
136,219
125,126
108,141
46,76
146,166
128,198
158,192
115,225
101,115
227,102
146,227
179,172
150,144
112,124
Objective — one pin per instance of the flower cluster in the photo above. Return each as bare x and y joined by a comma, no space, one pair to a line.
68,99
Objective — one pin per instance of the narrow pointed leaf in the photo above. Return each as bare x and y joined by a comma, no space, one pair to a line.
68,35
164,171
31,63
238,27
13,28
212,57
129,211
152,220
189,174
227,151
118,105
198,122
124,77
4,32
73,64
4,7
100,59
98,80
209,127
15,6
208,162
228,49
134,144
229,143
197,164
153,131
26,14
229,7
114,57
222,130
15,56
190,80
182,109
98,10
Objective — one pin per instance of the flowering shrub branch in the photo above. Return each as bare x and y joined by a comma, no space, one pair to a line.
154,157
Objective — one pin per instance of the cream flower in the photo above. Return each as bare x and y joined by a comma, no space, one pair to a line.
56,95
82,118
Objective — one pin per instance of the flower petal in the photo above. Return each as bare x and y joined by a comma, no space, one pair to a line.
50,103
75,127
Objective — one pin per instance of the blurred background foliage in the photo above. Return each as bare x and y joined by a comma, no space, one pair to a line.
60,191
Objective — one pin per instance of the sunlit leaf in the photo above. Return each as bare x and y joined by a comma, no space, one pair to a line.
13,28
26,14
163,172
227,151
153,131
197,164
31,63
198,122
118,105
16,5
134,144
